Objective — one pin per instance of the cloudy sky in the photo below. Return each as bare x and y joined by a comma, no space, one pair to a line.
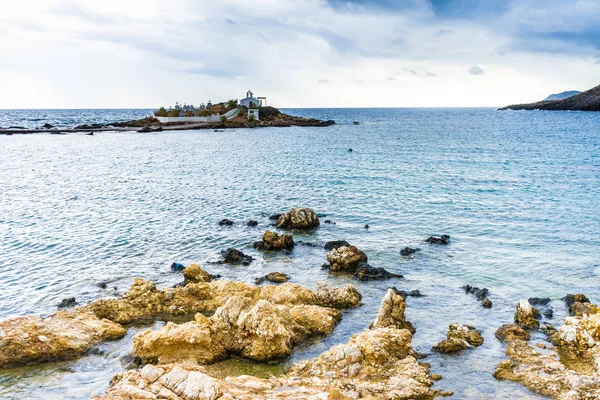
297,53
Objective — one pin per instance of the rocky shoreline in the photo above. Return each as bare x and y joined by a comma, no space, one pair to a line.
268,322
584,101
151,124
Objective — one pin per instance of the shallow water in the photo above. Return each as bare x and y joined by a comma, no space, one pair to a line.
517,192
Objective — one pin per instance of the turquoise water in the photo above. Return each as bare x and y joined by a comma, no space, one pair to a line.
516,191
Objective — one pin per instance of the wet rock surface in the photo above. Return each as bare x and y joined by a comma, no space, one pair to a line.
508,332
444,239
67,303
526,316
408,251
364,272
378,363
336,244
274,241
480,294
352,260
298,218
235,257
274,277
252,223
64,335
459,337
225,222
578,304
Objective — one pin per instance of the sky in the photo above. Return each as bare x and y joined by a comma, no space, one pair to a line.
297,53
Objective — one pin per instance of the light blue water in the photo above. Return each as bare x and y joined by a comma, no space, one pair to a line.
517,191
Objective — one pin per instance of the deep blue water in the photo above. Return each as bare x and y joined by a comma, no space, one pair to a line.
516,191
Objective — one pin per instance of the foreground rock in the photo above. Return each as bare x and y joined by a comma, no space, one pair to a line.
458,338
378,363
64,335
298,218
578,304
352,260
145,301
573,375
258,330
391,312
274,277
273,241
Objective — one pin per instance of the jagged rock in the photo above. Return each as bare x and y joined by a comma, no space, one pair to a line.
578,304
480,294
459,337
64,335
580,337
546,375
408,251
508,332
444,239
328,221
391,312
376,364
252,223
336,244
539,301
225,222
273,241
274,277
235,257
194,273
412,293
525,316
176,267
487,303
298,218
346,258
274,217
364,272
144,300
67,303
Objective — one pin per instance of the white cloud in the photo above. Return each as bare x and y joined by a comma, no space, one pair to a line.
128,53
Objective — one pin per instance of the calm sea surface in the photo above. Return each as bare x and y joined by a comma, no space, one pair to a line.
518,192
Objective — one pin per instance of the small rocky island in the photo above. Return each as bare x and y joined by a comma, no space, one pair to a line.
584,101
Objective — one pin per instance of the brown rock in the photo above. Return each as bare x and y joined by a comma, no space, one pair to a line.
194,273
508,332
525,315
459,337
391,312
273,241
274,277
64,335
298,218
346,258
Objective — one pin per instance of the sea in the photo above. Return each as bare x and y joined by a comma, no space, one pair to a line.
518,192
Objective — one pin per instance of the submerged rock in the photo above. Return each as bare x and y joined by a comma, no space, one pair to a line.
235,257
336,244
526,315
274,277
64,335
444,239
408,251
273,241
225,222
274,217
378,363
365,272
412,293
298,218
480,294
67,303
458,338
252,223
174,267
194,273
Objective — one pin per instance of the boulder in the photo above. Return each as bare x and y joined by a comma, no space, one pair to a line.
578,304
174,267
336,244
459,337
274,277
298,218
480,294
252,223
194,273
444,239
235,257
258,330
508,332
412,293
346,259
225,222
47,126
580,338
391,312
273,241
526,316
364,272
64,335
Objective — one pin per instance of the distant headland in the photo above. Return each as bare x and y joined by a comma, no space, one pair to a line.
577,101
